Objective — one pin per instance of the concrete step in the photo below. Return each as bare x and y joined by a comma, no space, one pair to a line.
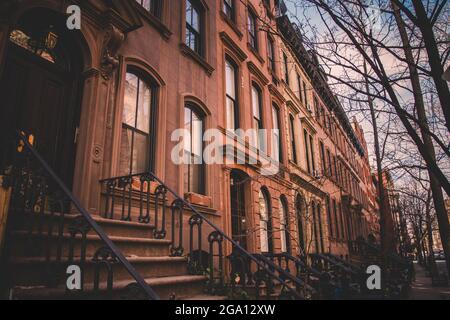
36,245
167,288
35,271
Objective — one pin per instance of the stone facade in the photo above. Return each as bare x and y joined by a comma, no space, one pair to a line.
317,202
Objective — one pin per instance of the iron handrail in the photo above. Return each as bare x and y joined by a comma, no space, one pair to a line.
152,295
259,262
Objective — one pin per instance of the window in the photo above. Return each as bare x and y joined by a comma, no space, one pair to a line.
330,165
330,219
319,220
286,69
152,6
257,117
306,140
271,54
231,95
265,222
276,139
135,138
193,149
292,131
322,158
315,227
336,221
299,83
298,211
309,151
305,96
284,226
193,27
252,30
228,9
313,156
29,43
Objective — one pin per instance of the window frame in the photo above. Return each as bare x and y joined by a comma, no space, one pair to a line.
276,111
258,122
189,29
252,29
285,236
155,8
235,100
142,77
194,109
292,135
229,9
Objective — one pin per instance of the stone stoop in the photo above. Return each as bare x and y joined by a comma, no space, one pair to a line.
29,268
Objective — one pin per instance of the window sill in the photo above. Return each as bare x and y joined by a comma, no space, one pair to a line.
154,21
188,52
231,24
198,199
255,53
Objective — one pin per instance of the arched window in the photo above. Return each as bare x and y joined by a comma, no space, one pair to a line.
238,186
193,149
136,125
284,226
265,222
231,95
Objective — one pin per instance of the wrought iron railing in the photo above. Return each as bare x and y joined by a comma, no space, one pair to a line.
42,207
147,199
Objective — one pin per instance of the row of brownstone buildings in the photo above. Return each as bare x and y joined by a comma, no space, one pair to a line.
105,100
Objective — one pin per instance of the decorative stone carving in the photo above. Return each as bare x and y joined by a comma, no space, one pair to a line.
114,39
97,153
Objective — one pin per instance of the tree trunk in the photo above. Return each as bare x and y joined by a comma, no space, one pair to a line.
437,69
438,197
386,223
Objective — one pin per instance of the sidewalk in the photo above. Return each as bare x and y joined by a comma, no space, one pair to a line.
422,289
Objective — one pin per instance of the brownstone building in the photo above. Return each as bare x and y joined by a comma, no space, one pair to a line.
104,102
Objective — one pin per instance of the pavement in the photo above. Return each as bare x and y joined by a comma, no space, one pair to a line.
421,289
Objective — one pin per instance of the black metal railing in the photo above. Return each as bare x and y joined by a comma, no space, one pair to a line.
339,274
52,223
145,195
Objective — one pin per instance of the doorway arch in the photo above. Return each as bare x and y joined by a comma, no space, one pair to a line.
239,182
41,86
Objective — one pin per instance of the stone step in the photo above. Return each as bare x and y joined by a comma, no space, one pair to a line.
36,271
111,227
167,288
205,297
36,245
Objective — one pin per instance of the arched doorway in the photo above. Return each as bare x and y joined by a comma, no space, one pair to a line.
239,228
300,230
265,213
40,88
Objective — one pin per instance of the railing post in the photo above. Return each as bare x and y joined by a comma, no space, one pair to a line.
5,197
